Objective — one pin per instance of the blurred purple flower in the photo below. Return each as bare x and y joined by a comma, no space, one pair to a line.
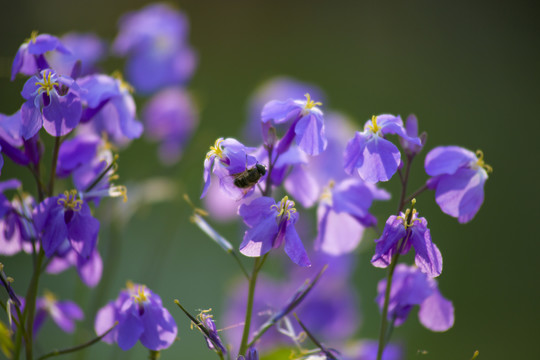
87,48
411,287
110,107
29,59
372,156
458,177
343,214
170,118
367,350
307,124
414,232
141,316
63,313
52,101
16,232
271,225
66,217
155,41
11,139
251,354
89,269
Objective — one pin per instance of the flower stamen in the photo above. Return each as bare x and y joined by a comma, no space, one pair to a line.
409,218
46,85
70,201
480,162
374,127
284,208
124,85
216,150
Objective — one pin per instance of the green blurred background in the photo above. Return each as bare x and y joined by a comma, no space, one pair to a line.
468,70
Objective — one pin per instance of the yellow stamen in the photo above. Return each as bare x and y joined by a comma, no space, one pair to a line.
284,208
374,127
124,85
480,162
70,201
140,295
327,191
216,149
33,36
310,104
50,298
46,85
409,218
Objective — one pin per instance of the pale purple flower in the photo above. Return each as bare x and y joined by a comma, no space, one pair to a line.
89,269
279,87
306,124
155,41
343,214
11,139
270,226
411,287
86,48
170,118
110,107
399,234
372,156
227,158
141,317
411,148
458,178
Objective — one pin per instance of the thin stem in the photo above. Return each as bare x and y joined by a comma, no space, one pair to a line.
52,177
404,181
416,193
249,307
39,184
30,307
78,347
242,267
154,355
103,173
322,348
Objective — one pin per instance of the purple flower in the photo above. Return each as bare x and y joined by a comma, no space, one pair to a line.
88,158
343,214
29,58
66,217
110,107
399,234
64,313
411,287
52,101
372,156
251,354
212,340
141,316
89,269
458,177
367,350
271,225
16,232
155,41
226,159
87,48
307,124
411,148
170,118
11,140
279,87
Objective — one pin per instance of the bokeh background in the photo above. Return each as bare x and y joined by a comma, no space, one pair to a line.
468,70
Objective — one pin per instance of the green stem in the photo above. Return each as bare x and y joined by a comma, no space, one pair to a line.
404,181
78,347
244,271
52,177
154,355
249,307
30,308
416,193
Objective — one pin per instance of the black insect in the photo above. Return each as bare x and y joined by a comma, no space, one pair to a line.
249,177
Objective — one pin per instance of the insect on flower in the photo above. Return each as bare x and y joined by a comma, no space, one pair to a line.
249,177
